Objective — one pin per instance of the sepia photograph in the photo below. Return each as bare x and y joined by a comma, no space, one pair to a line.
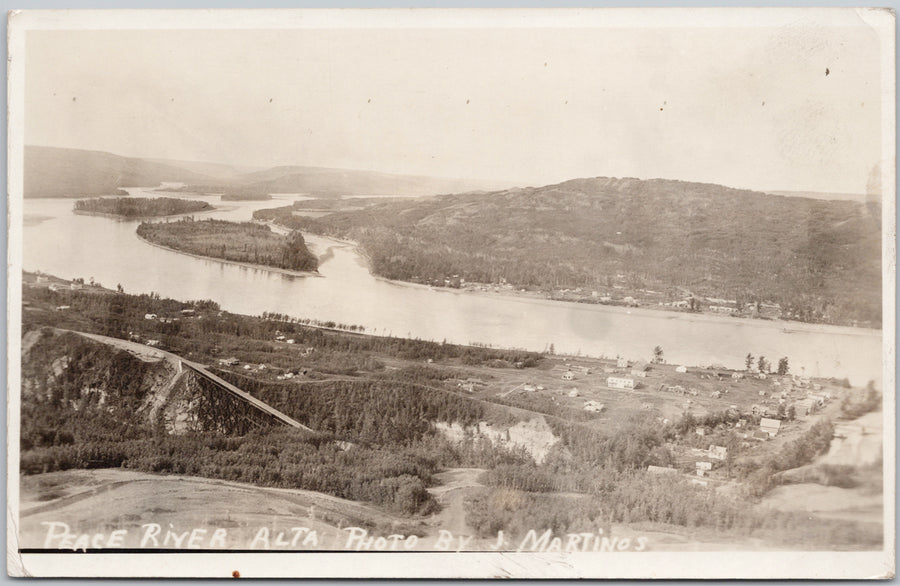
452,293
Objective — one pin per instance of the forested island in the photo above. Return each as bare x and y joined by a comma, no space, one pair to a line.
140,207
660,243
244,242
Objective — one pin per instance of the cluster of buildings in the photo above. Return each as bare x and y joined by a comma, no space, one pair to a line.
186,313
470,384
727,307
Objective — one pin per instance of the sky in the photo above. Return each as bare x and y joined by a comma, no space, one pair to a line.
744,106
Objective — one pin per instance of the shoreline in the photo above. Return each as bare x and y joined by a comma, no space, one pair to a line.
531,297
139,218
247,265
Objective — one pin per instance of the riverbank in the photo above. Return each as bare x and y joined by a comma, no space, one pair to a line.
538,298
143,218
246,265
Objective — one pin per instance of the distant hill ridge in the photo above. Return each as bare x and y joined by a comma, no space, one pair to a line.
63,172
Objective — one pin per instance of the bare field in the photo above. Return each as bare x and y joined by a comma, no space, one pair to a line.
101,501
189,511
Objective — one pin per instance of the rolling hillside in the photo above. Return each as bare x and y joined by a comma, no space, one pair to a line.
821,260
58,172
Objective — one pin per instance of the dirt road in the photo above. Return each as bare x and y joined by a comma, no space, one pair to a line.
456,484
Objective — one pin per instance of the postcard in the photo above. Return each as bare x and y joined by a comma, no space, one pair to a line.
452,293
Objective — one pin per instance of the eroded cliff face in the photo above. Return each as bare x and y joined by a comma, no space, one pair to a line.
66,371
534,435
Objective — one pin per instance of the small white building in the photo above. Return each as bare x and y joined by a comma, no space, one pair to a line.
770,426
621,362
718,452
568,375
149,316
573,393
737,375
617,382
681,369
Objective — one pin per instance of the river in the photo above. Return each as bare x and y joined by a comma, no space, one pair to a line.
68,245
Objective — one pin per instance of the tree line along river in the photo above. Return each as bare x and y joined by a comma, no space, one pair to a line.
68,245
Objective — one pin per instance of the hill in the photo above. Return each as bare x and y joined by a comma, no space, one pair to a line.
322,181
220,171
59,172
857,197
62,172
820,260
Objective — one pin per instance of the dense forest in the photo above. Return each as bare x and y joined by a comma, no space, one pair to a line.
654,503
820,260
140,207
240,242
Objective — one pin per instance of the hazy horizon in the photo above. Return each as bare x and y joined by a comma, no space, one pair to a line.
748,107
244,169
